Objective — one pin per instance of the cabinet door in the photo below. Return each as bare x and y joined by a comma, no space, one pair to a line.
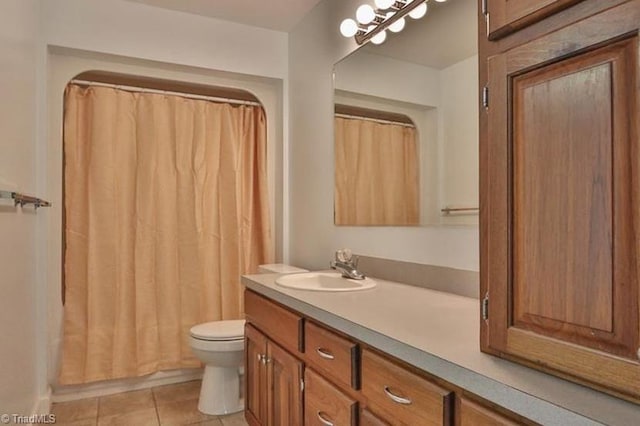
284,387
561,205
469,413
506,16
255,376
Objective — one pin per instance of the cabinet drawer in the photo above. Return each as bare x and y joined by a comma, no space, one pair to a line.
470,413
332,355
326,405
280,324
399,394
367,418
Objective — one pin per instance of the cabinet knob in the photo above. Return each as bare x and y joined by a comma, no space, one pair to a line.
323,420
396,398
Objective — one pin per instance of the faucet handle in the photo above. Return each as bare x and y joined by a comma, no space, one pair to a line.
344,255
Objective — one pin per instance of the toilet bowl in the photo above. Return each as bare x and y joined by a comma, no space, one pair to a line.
220,347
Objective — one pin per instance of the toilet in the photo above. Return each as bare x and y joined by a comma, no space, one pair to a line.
220,347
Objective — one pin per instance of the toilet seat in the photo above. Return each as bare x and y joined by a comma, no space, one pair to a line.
219,331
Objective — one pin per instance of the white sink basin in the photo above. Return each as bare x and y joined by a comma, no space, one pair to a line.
324,281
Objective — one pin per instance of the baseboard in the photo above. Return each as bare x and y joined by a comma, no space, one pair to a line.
91,390
43,405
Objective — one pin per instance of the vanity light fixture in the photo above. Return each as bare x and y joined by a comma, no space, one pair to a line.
371,23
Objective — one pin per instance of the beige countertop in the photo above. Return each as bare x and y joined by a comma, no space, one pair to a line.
439,333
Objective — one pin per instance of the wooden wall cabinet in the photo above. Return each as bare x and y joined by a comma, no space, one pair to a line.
560,218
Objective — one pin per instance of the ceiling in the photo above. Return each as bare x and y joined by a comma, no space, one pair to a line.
446,35
280,15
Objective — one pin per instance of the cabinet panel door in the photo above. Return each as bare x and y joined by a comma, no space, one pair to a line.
284,387
255,376
506,16
563,203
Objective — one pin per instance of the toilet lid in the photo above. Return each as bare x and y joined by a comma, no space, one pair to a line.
219,330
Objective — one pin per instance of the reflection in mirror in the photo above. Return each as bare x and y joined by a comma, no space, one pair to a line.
376,166
406,124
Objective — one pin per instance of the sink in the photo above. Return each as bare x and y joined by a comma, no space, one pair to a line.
324,281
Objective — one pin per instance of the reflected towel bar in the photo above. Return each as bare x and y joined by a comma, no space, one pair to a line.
22,200
449,210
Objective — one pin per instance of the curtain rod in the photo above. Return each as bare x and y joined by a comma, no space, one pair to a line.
376,120
164,92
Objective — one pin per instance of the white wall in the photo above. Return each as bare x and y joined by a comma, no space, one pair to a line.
315,45
140,31
19,379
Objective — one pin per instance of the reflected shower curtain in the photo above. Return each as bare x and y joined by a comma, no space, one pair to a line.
377,173
165,207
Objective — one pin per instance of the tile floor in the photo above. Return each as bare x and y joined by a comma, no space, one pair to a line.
172,405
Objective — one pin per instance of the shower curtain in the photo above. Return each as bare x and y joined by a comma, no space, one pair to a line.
377,173
166,206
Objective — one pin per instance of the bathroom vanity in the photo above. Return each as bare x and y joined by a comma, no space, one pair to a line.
394,354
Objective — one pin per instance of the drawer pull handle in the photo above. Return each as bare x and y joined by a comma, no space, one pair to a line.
325,354
396,398
323,420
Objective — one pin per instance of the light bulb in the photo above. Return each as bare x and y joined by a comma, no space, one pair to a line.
419,11
397,26
348,27
384,4
441,1
379,38
365,14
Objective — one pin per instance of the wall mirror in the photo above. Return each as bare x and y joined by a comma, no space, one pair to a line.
406,124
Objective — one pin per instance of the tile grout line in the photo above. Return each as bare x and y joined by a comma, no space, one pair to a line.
155,405
98,411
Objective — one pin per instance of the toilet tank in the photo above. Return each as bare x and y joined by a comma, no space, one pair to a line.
279,268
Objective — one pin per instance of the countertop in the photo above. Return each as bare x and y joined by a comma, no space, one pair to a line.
439,333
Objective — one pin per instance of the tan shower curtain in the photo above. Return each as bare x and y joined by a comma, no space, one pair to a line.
165,207
377,173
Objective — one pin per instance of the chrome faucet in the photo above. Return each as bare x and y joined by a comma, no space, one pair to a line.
347,265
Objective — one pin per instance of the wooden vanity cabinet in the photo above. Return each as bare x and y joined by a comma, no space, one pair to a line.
333,381
560,204
506,16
